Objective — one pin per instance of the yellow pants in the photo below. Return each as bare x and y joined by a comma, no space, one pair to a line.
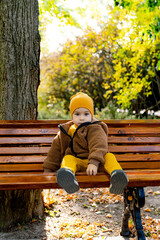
80,165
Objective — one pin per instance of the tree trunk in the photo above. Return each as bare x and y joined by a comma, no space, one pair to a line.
19,59
19,81
19,206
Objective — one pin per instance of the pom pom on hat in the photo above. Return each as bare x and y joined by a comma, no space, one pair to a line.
81,100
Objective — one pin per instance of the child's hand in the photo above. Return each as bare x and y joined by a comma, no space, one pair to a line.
91,169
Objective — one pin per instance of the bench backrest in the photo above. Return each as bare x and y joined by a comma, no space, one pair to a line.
24,144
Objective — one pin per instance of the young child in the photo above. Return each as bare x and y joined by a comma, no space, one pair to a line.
82,145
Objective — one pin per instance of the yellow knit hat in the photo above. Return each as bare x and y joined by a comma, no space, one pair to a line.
81,100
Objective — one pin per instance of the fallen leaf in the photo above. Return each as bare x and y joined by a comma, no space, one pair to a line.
107,230
34,220
157,193
150,191
147,210
109,215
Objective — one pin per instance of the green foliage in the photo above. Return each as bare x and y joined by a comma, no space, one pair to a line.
48,109
52,111
137,61
123,3
119,65
57,111
153,3
83,65
112,112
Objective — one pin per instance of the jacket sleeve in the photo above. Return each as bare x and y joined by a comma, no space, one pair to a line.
53,160
98,144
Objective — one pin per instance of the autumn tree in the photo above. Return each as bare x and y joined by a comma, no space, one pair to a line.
83,65
137,63
119,63
19,80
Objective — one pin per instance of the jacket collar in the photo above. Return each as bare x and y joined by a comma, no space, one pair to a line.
65,127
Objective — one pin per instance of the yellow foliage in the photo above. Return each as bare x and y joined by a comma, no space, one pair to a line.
117,63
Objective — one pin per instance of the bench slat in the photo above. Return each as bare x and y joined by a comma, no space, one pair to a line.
135,131
24,150
26,140
53,131
133,140
44,150
134,149
20,167
140,165
28,131
130,157
38,166
48,180
55,122
120,157
22,159
48,140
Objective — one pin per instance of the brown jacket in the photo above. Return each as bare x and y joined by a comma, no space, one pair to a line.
90,141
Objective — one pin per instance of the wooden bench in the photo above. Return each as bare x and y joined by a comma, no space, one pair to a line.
136,144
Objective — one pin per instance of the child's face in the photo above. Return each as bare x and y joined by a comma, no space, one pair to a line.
81,115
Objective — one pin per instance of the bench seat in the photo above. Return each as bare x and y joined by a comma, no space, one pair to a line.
39,180
25,144
136,144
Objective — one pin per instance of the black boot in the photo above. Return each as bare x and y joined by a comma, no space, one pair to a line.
119,181
67,180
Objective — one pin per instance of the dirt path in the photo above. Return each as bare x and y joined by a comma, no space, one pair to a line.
89,214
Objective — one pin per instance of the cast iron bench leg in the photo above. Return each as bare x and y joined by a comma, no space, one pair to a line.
134,199
126,215
136,215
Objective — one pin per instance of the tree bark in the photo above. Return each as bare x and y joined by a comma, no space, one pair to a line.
19,81
19,206
19,59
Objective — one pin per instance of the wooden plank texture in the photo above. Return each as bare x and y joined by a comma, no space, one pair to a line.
134,140
145,131
128,157
134,149
21,167
48,180
53,131
25,144
26,140
48,140
43,150
115,122
24,150
28,131
22,159
37,166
